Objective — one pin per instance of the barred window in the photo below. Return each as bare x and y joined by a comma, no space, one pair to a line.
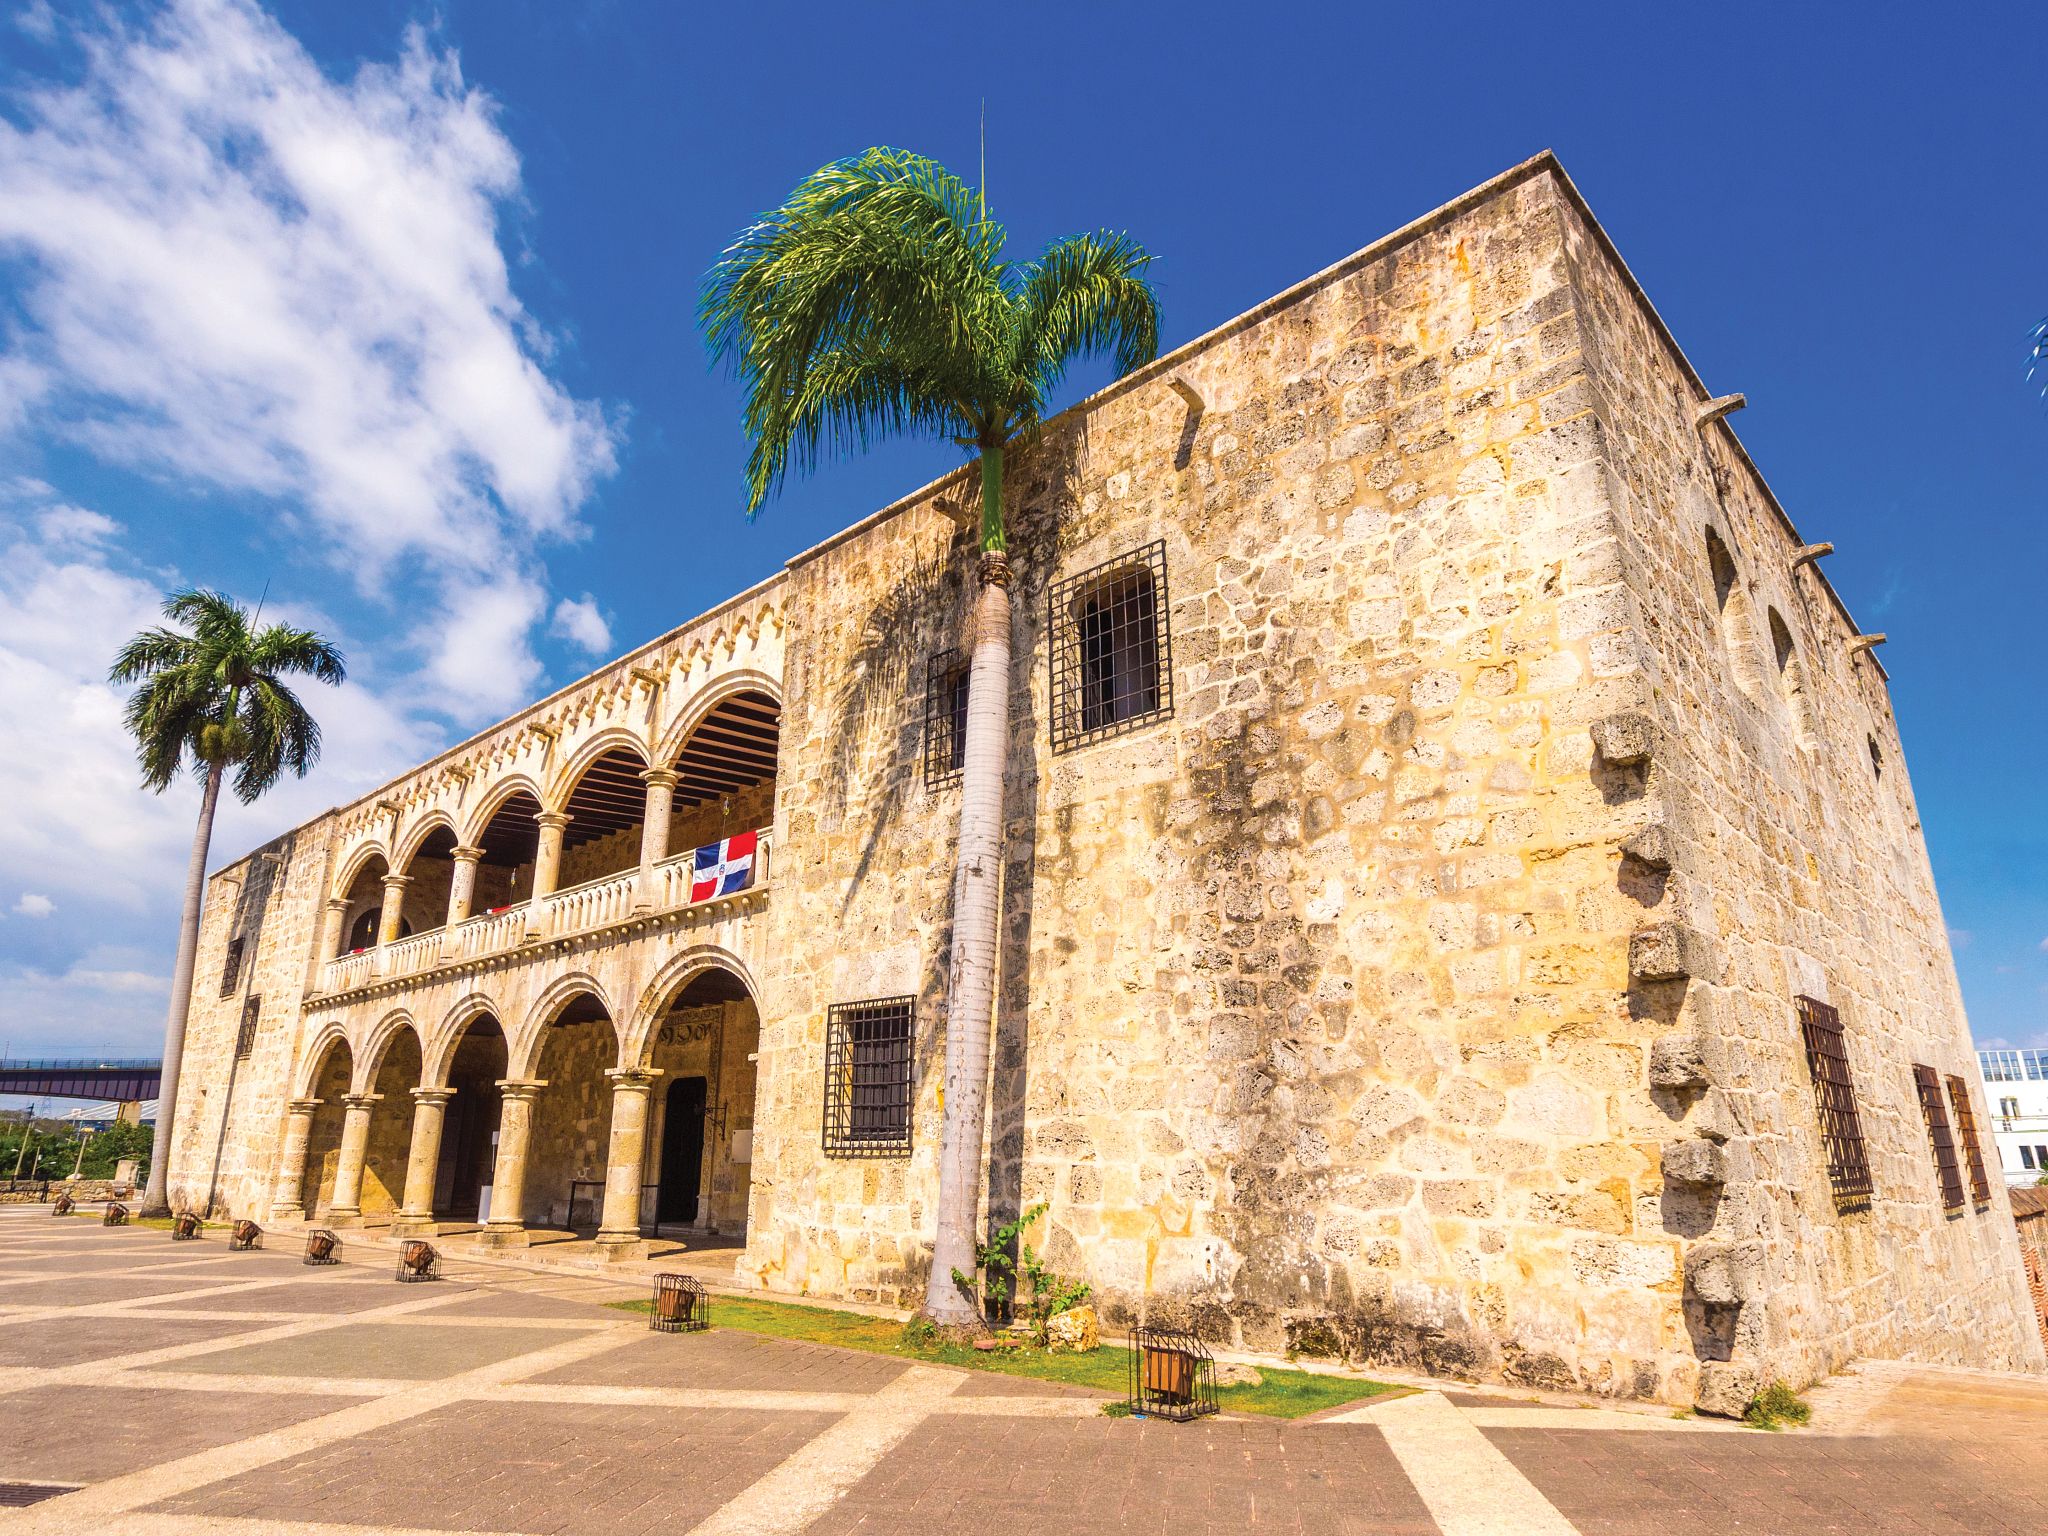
231,968
867,1077
1966,1127
1928,1085
1834,1098
945,719
1112,649
245,1037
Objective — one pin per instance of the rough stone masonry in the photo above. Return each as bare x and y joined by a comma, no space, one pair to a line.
1406,928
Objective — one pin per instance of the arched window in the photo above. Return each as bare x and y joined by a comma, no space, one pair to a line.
1792,681
1731,599
1111,654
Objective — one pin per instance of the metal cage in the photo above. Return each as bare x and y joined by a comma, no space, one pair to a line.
244,1236
116,1215
681,1305
1172,1376
184,1227
322,1247
64,1206
1110,649
418,1261
868,1070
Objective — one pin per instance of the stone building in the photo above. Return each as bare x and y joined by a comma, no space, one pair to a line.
1464,904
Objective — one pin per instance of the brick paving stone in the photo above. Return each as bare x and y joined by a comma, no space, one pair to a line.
573,1469
84,1434
56,1341
1218,1477
516,1304
374,1351
82,1293
992,1384
290,1296
729,1359
1707,1485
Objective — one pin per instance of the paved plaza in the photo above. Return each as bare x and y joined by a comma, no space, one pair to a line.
162,1388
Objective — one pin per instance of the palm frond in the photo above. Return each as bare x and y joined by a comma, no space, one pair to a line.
1086,296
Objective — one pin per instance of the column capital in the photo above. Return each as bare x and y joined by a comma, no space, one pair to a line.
553,818
633,1079
660,778
337,903
521,1088
466,855
397,882
302,1106
361,1100
433,1095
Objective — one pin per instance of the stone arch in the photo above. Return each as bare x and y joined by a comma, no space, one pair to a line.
612,739
370,1055
357,862
1792,680
307,1078
675,974
708,698
1733,605
523,1048
437,1054
494,800
409,845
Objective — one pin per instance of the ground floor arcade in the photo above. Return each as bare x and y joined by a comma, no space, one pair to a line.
567,1126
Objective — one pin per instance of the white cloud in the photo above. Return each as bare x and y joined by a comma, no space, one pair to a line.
109,1000
580,623
34,905
239,272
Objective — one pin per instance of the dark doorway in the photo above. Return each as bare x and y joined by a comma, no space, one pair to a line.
682,1151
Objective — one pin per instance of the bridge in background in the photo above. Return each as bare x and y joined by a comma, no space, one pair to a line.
124,1081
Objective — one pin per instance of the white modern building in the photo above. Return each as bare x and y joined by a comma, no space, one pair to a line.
2016,1088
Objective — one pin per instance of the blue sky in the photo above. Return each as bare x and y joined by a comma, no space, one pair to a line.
387,309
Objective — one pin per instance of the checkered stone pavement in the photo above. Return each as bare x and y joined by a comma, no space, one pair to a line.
173,1390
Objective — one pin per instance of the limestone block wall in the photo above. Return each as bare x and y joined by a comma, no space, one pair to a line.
1314,1024
1798,866
230,1113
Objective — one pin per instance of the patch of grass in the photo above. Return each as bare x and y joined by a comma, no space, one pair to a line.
1775,1407
1281,1394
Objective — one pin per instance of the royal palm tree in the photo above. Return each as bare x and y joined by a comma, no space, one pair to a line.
876,301
213,697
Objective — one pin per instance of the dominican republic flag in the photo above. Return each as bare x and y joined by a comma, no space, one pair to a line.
723,867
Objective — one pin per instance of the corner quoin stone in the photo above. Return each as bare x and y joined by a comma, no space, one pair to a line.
1625,739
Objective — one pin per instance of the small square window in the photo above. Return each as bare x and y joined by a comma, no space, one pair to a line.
1112,649
231,968
245,1037
2026,1157
945,719
868,1077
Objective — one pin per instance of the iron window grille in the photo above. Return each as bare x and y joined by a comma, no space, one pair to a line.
1834,1098
868,1077
945,719
1928,1085
231,968
1966,1127
1111,649
245,1037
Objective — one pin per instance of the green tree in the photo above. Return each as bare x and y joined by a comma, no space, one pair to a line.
876,301
213,697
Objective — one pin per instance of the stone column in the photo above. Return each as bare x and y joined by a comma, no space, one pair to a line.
394,908
289,1203
422,1162
347,1207
462,888
331,928
661,798
547,864
507,1226
618,1231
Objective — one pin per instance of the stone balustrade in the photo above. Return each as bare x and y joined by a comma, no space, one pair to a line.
585,908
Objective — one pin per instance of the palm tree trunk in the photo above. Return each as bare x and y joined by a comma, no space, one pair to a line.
977,895
155,1199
